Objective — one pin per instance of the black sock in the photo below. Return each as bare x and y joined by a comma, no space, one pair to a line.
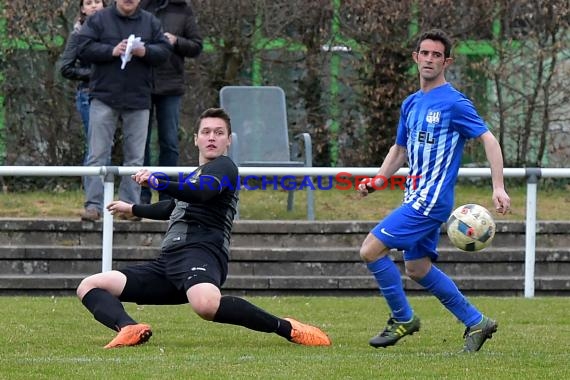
237,311
107,309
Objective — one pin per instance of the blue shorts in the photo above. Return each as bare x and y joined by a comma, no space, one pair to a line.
408,230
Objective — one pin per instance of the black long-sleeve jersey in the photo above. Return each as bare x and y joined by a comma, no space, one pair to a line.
202,209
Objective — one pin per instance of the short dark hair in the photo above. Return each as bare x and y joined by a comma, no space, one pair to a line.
436,35
217,113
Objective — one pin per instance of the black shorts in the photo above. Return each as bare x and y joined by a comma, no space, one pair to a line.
165,280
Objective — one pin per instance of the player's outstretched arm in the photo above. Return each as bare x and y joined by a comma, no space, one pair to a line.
495,157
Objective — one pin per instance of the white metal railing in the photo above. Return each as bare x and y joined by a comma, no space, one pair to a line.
109,172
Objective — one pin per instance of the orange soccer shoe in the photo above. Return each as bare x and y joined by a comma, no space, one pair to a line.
131,335
307,335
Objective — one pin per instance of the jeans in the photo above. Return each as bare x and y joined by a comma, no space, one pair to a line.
103,123
82,105
167,110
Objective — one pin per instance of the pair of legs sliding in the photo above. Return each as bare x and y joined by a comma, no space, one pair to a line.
102,294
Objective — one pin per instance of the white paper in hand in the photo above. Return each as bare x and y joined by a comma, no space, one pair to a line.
132,43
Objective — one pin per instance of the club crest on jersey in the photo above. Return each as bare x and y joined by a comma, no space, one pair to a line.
433,117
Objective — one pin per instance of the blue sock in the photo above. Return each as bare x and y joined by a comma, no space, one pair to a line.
443,287
389,281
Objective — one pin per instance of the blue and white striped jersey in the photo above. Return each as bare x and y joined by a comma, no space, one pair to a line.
434,127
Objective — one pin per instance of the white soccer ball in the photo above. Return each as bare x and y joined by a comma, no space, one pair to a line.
471,227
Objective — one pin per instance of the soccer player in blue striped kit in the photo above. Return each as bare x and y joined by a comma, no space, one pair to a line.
435,122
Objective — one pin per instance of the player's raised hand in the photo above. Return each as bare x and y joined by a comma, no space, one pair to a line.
142,177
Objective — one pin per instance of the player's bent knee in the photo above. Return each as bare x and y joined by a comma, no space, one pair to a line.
112,281
84,287
365,254
414,275
370,255
372,249
205,308
418,269
204,299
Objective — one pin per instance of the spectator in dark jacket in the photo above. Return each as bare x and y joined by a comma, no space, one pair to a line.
118,93
179,24
72,68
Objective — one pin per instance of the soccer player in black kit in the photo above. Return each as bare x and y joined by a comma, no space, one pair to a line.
193,262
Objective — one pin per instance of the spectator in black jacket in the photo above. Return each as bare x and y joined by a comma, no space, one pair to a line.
180,29
118,93
72,68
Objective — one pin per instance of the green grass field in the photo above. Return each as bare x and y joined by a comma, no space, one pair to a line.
56,338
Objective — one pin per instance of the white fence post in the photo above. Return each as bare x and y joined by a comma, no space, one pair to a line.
108,194
532,175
